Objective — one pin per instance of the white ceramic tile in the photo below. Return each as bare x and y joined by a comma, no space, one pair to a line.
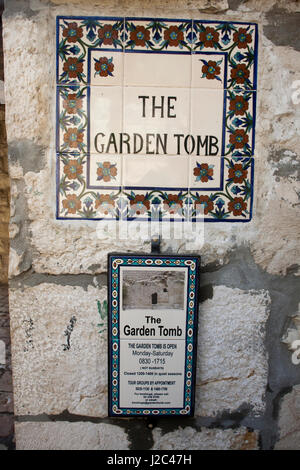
140,117
105,119
207,121
147,171
106,68
240,122
157,69
205,173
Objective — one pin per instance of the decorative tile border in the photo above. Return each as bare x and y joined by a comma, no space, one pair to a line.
231,203
77,34
155,261
77,197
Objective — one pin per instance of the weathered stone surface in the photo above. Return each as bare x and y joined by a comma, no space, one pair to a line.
206,439
58,378
232,361
289,421
70,436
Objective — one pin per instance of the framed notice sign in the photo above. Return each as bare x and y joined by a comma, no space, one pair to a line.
152,334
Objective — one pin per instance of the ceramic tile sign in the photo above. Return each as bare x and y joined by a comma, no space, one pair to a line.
152,334
155,119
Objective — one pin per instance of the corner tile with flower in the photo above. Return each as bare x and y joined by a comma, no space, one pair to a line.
234,200
211,69
104,67
158,35
203,172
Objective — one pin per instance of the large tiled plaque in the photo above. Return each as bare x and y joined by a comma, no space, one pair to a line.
155,119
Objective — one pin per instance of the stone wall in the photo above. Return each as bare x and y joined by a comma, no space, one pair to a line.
6,398
250,272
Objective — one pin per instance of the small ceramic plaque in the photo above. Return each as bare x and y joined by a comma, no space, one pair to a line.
152,334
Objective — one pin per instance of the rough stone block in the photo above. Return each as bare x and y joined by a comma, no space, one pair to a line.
62,372
232,361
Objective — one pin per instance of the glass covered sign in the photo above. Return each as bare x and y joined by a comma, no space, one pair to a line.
152,335
155,119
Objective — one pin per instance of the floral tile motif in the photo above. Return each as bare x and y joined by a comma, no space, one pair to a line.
106,67
209,70
217,69
239,126
206,173
155,34
72,120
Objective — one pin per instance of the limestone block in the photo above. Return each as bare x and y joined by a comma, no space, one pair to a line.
70,436
59,357
232,361
206,439
289,421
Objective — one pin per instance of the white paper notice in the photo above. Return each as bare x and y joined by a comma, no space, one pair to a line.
152,374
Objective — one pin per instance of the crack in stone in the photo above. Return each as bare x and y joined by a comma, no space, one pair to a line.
205,382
